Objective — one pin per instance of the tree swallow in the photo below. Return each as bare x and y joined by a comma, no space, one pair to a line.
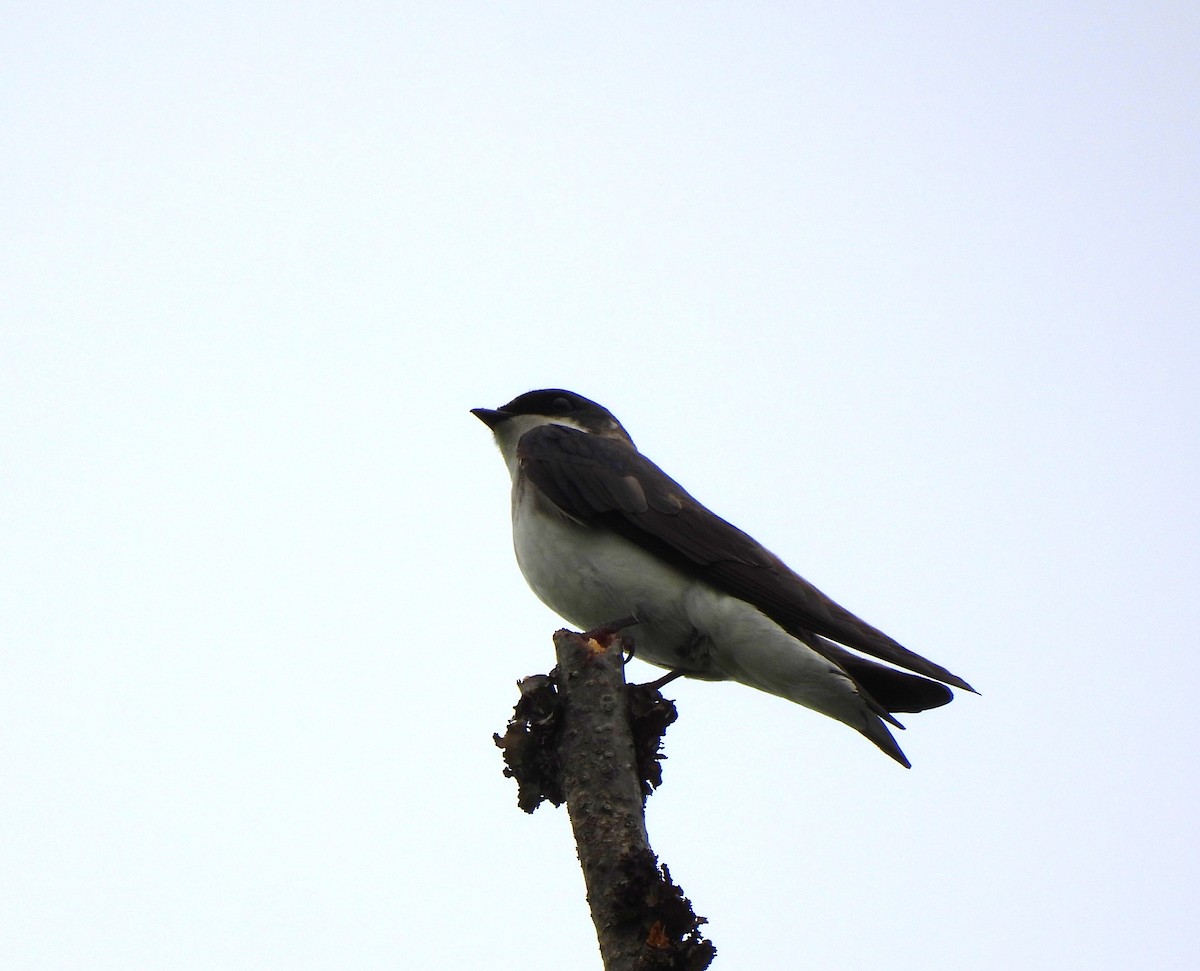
602,533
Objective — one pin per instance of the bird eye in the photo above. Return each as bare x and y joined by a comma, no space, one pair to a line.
561,403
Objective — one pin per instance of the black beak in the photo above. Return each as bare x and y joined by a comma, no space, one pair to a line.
489,416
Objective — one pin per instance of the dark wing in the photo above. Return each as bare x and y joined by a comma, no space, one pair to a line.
606,482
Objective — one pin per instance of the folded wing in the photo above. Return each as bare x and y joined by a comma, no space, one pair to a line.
606,482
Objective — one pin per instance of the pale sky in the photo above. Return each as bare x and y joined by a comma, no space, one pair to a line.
910,294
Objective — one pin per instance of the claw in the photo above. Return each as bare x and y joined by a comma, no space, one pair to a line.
606,631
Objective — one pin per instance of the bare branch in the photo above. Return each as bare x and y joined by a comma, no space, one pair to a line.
581,735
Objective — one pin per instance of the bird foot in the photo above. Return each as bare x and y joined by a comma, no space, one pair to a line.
604,635
606,631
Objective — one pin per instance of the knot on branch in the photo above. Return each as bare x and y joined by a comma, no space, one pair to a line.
530,741
649,716
644,894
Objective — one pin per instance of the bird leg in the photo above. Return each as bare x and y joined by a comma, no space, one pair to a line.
665,679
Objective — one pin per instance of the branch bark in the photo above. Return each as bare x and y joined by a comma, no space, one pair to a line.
573,738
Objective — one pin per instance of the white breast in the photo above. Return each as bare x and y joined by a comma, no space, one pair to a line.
592,577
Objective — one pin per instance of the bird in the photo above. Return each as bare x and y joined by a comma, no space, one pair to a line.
600,532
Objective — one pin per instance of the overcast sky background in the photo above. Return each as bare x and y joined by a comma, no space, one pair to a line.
909,293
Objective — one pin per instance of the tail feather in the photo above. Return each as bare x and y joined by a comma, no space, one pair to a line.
875,730
894,690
